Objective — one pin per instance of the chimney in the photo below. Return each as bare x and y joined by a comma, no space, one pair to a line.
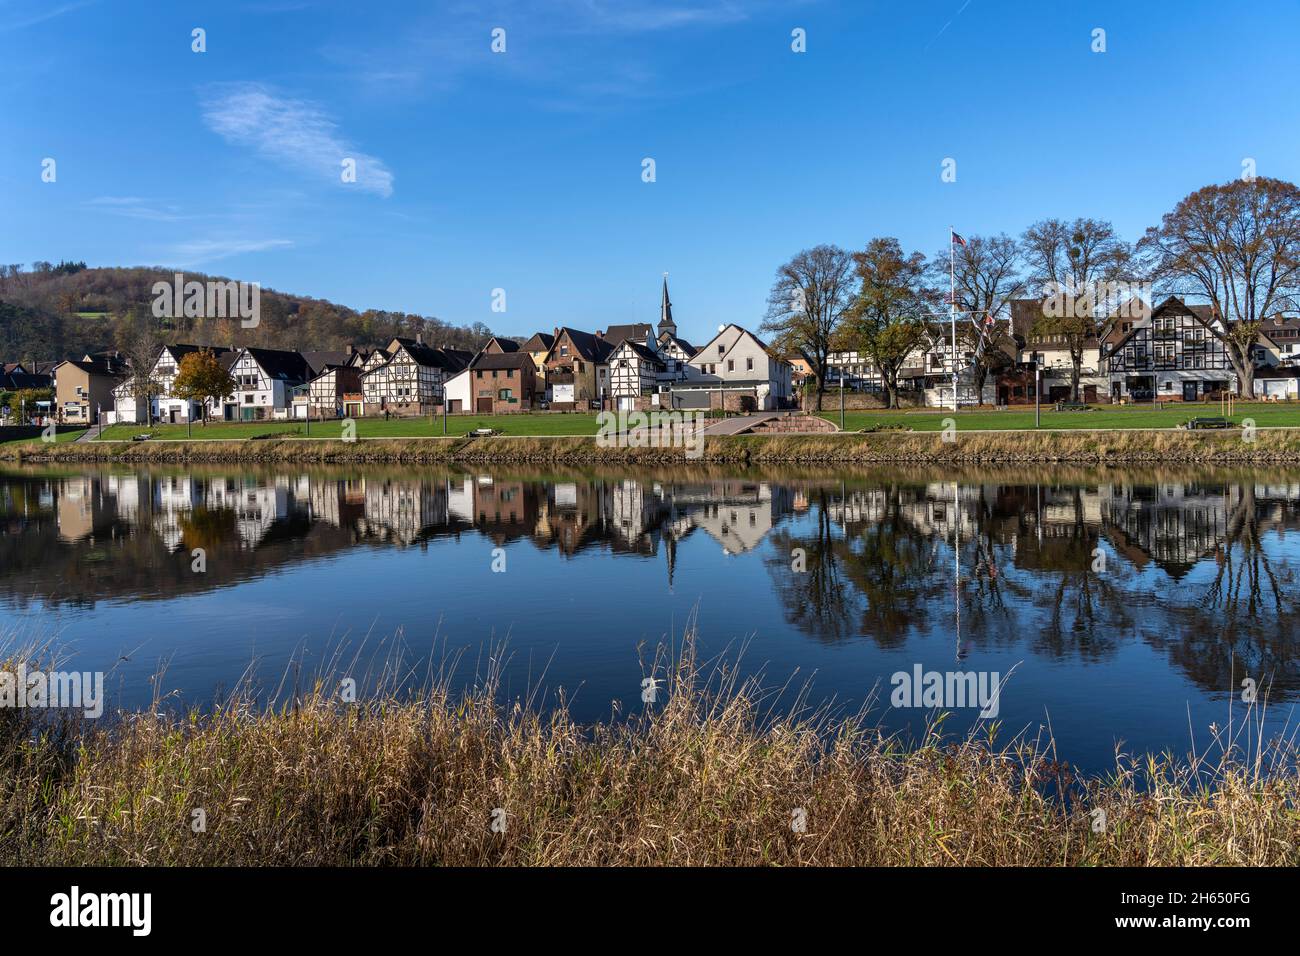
600,334
419,338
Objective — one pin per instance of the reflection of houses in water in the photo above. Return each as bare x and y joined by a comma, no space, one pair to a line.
738,514
258,505
1172,524
400,511
504,510
174,499
339,501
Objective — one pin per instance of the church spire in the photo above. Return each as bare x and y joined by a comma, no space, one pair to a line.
666,323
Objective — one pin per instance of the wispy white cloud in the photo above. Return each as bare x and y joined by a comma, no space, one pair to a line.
199,251
297,134
136,207
38,13
638,16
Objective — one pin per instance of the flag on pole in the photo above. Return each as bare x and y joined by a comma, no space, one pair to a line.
956,238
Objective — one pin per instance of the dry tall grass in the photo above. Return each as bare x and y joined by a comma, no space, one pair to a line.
1271,446
706,777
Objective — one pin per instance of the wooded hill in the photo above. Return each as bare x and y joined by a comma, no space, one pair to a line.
56,311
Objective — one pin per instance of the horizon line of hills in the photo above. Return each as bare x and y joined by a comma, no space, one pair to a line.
65,310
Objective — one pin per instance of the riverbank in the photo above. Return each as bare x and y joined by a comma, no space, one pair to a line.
698,778
1269,446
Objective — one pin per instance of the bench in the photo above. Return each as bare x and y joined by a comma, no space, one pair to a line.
1072,406
144,437
1197,423
482,433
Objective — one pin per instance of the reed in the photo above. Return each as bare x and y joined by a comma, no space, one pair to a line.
710,775
1270,446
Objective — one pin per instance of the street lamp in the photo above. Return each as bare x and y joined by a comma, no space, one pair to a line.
1038,394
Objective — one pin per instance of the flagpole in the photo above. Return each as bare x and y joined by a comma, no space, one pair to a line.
952,310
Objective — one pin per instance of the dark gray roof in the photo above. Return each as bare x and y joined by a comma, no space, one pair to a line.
593,348
494,360
648,354
319,360
616,334
283,365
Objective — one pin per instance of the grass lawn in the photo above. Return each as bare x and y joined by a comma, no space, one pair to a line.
1099,416
457,426
59,437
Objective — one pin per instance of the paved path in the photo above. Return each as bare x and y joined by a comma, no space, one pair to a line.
734,426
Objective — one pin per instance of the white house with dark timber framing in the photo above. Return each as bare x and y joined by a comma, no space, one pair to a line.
163,406
411,381
265,380
635,369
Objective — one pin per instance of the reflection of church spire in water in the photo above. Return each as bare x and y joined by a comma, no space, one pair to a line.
670,549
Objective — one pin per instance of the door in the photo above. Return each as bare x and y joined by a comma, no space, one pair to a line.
483,405
1189,391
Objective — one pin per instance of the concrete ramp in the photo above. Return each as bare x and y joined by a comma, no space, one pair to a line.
769,423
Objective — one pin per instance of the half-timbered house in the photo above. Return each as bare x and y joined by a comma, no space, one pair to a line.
1170,356
163,406
265,380
411,381
634,371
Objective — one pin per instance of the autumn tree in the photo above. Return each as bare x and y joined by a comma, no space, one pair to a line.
887,321
986,273
1239,246
202,378
809,299
1069,263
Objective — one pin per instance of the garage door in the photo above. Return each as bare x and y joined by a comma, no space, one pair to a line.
483,405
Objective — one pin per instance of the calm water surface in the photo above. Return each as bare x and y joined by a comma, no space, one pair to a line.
1125,606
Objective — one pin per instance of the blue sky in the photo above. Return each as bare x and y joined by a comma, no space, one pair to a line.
523,170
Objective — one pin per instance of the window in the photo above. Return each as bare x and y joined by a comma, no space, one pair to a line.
721,349
503,395
749,364
731,365
478,373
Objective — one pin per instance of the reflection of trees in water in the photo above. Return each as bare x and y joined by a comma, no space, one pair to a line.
872,581
209,528
1247,620
1193,567
882,568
